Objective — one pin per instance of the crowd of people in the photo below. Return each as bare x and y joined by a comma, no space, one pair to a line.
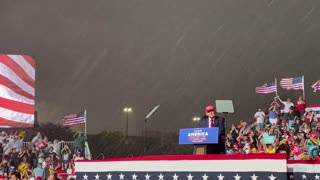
285,127
39,159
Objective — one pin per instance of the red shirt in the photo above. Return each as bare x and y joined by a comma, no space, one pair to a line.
301,106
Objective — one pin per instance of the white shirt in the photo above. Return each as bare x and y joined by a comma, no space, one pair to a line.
260,116
287,105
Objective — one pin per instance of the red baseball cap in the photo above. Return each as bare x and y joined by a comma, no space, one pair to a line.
209,108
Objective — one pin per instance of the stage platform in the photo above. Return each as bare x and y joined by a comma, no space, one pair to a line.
198,167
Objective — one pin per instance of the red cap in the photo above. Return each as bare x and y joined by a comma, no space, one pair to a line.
209,108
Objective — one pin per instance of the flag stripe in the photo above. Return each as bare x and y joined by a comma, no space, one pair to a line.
16,116
7,123
31,62
292,83
7,93
74,119
16,106
73,123
197,165
316,86
9,84
6,60
8,73
266,88
17,90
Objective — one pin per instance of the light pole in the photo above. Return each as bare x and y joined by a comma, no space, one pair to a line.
196,119
127,110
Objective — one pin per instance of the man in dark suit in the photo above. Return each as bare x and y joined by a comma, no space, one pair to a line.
211,120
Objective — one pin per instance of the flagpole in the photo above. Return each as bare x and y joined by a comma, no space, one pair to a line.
304,95
85,122
275,80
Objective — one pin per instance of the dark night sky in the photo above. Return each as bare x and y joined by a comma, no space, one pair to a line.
104,55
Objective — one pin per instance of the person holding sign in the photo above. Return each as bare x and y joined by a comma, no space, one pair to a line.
211,120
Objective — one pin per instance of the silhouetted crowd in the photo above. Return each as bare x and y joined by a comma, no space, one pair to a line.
285,127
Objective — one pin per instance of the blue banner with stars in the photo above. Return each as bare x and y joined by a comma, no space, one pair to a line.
186,167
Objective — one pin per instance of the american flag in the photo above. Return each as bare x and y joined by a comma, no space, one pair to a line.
296,83
316,86
74,119
17,90
267,88
185,167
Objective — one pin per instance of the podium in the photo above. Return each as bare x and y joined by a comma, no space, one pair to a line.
203,139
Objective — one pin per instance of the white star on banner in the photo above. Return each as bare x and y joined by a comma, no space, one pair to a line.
291,176
147,176
85,177
175,177
317,177
237,177
134,176
272,177
161,176
189,177
220,177
254,177
97,177
304,176
109,176
205,177
121,176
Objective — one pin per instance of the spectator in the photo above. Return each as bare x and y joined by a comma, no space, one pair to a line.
301,106
13,156
66,155
78,155
297,125
276,104
269,148
310,116
37,139
39,171
15,176
234,132
292,115
287,104
273,115
53,155
259,116
79,141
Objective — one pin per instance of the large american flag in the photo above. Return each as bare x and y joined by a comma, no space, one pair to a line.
267,88
185,167
73,119
296,83
316,86
17,90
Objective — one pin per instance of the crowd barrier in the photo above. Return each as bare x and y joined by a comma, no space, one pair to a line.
199,167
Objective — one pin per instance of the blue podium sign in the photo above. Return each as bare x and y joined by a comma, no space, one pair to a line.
199,136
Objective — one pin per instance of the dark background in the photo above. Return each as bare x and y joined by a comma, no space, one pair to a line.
103,55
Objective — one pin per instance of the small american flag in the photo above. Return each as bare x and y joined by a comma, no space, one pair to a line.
316,86
74,119
267,88
295,83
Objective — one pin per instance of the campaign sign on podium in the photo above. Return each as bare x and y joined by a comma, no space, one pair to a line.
199,136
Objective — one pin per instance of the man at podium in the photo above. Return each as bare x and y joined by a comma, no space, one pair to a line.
211,120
